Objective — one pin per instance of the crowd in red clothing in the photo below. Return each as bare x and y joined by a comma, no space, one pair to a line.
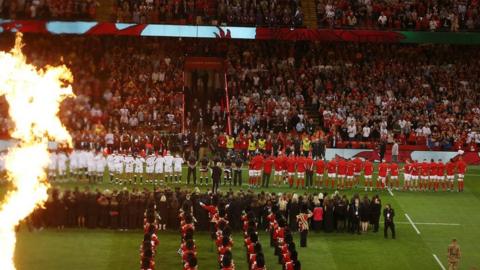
343,173
411,15
49,9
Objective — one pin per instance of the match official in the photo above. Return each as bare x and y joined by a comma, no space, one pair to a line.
388,215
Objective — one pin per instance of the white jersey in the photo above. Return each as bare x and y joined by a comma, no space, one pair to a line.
159,164
129,162
73,160
119,161
168,163
111,162
52,165
83,157
101,163
177,164
91,162
139,161
62,161
150,162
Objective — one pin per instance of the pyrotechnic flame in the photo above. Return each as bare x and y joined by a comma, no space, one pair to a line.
34,96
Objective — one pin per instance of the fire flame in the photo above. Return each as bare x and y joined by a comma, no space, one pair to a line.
34,96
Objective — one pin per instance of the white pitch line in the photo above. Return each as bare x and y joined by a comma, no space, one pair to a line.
390,191
430,223
439,262
411,222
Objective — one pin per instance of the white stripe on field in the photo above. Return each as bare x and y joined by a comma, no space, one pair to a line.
439,262
411,222
430,223
390,191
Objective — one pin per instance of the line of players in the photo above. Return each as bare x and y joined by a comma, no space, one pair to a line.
298,171
340,173
123,168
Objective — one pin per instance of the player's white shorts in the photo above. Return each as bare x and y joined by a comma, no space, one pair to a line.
319,174
150,169
291,174
460,177
368,176
450,177
382,178
258,173
407,177
168,169
251,173
394,177
440,177
349,177
300,175
423,177
432,177
341,175
279,173
118,169
356,173
332,175
129,169
177,169
414,177
62,170
139,170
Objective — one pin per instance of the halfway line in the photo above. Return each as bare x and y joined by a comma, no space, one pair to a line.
439,262
411,222
430,223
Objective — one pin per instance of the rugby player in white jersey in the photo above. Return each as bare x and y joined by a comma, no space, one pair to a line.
52,166
101,163
168,167
110,160
150,168
159,168
177,168
119,168
129,165
139,163
62,159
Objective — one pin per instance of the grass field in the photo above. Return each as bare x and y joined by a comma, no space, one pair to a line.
438,217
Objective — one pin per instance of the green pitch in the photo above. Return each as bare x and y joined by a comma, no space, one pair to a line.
438,217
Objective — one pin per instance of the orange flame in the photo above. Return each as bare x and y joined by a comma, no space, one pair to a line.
34,96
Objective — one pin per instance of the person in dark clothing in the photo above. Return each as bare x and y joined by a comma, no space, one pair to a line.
237,171
204,170
364,214
294,210
340,214
303,224
375,212
216,176
227,177
382,149
355,216
328,220
388,215
192,169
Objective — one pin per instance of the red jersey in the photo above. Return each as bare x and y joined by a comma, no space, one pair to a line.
342,167
279,163
394,169
320,166
433,169
407,169
291,162
301,164
332,166
350,168
450,168
358,165
222,141
440,169
461,167
382,169
425,168
368,168
268,165
416,168
257,162
309,164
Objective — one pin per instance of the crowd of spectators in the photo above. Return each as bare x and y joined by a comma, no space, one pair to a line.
129,91
405,15
217,12
49,9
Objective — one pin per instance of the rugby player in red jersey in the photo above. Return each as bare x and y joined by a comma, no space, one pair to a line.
358,169
382,174
257,167
432,174
416,169
407,174
331,172
341,172
394,175
279,164
291,163
367,174
450,169
320,170
461,170
440,176
301,171
350,172
309,170
425,170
